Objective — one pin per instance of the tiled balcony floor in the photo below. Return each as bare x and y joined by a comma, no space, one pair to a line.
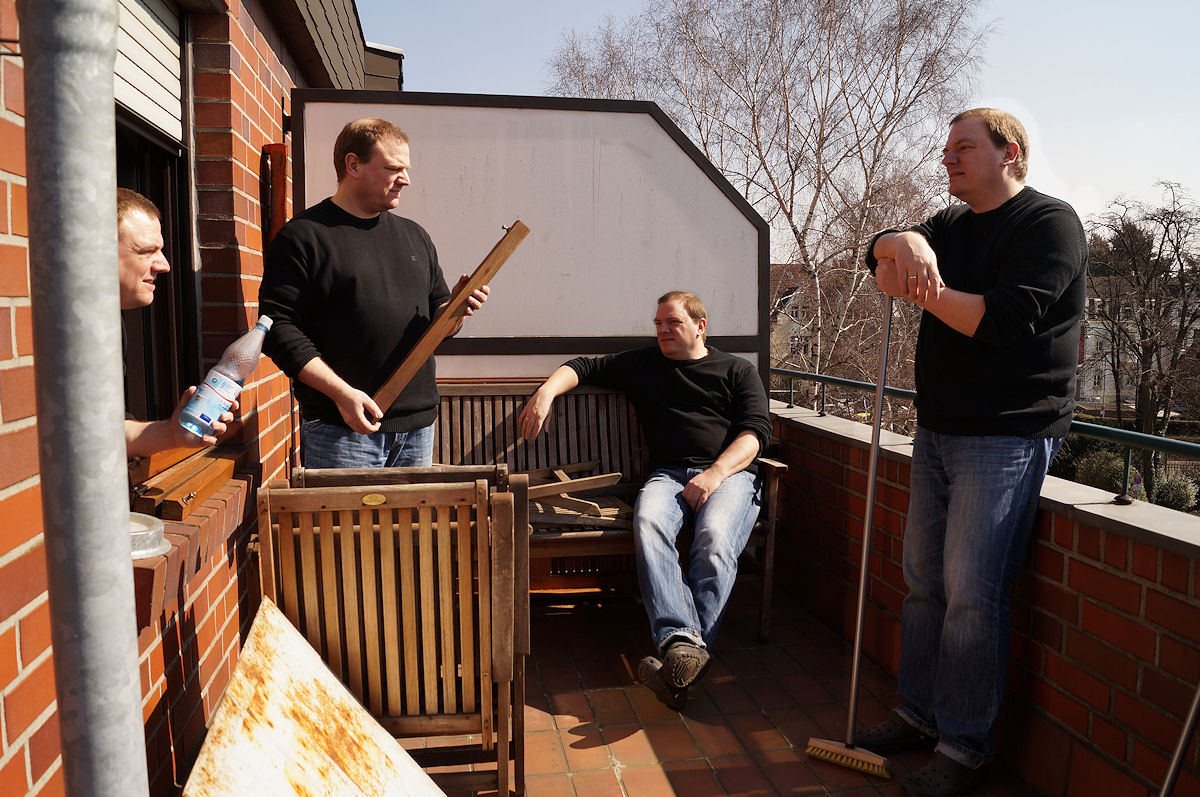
592,730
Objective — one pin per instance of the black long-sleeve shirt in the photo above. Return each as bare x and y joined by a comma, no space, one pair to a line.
358,293
689,410
1016,374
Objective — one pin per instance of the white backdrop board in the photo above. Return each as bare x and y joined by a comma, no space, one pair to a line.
621,208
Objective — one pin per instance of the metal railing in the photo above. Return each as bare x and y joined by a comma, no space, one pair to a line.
1130,440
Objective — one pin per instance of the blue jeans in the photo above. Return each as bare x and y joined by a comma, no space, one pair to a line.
328,445
971,515
690,604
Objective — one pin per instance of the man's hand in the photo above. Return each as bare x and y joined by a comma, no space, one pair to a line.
909,267
219,427
535,415
473,303
358,410
697,491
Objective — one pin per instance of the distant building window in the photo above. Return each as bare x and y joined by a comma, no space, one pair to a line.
1097,379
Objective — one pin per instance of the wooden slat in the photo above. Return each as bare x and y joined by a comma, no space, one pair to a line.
315,499
465,597
503,590
369,569
445,321
537,491
390,521
483,536
266,541
448,662
351,601
329,594
408,612
288,573
178,502
428,617
309,583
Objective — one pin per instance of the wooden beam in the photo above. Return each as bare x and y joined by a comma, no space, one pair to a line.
445,320
573,485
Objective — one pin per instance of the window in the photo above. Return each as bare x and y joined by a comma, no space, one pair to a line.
1097,380
162,351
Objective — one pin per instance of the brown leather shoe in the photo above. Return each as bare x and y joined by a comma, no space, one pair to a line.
684,663
651,676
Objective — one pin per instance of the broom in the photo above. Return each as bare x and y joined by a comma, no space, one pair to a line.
845,754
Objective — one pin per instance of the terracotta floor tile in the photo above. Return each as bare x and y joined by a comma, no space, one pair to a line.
544,753
611,706
767,692
647,706
584,748
790,774
756,732
557,785
671,741
741,777
570,709
693,778
629,745
646,781
537,719
804,689
714,737
597,783
729,697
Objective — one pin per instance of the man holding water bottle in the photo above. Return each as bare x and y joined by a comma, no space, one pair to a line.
140,260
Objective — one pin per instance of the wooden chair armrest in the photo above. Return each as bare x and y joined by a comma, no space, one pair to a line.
770,468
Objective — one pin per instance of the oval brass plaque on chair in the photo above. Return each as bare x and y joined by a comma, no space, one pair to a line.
373,499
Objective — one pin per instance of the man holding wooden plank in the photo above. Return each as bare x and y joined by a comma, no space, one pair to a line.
351,288
704,415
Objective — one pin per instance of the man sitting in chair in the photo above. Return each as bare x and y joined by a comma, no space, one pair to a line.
704,416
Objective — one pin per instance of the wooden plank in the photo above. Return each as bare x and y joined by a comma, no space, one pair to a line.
266,542
287,726
483,558
537,491
391,521
351,601
408,613
465,595
447,663
289,576
329,593
178,502
149,494
503,590
315,499
428,620
444,322
369,570
143,468
310,585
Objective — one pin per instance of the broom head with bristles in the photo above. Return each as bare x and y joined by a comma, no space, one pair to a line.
846,756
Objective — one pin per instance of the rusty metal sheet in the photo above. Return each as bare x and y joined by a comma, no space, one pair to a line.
286,725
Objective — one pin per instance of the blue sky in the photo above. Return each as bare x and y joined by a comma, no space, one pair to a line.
1109,89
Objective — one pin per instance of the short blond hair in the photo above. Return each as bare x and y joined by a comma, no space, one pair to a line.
128,201
691,305
360,137
1004,129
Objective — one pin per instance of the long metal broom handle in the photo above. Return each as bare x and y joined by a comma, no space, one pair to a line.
868,517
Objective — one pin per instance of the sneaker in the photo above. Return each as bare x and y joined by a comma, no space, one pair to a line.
684,663
893,736
651,676
942,777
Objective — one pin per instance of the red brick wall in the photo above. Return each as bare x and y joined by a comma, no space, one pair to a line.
29,758
195,604
1106,626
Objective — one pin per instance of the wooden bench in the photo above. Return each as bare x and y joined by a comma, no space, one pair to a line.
413,589
477,425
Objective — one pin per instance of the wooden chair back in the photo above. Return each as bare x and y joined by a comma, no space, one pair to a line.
408,592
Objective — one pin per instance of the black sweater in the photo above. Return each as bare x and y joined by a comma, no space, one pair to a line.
689,410
1016,375
357,293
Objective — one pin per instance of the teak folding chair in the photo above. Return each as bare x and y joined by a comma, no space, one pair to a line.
408,592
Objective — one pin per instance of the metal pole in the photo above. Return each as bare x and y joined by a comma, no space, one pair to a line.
1181,747
69,49
868,516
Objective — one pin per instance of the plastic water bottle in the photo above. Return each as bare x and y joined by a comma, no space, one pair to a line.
224,382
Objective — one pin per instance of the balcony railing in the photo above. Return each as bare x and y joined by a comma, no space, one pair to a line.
1130,440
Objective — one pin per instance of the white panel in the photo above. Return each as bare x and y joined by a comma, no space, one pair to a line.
147,76
618,213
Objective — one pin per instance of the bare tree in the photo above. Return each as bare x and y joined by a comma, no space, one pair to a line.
1145,270
824,115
